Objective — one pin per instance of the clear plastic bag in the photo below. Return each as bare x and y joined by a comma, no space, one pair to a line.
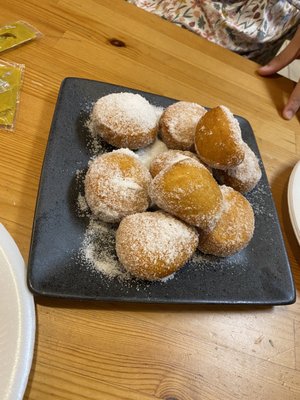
17,33
11,77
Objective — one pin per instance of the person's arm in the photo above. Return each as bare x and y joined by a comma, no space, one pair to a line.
290,53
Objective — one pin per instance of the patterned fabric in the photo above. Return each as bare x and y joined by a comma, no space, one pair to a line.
255,29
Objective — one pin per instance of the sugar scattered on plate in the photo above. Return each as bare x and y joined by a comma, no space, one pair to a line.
98,250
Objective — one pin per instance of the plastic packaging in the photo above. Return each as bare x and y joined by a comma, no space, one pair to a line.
16,33
11,75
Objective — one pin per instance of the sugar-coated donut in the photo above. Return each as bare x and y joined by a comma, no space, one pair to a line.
116,185
169,157
245,176
187,190
234,228
218,139
125,120
178,124
153,245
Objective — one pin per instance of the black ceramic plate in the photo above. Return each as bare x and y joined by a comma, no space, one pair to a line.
259,274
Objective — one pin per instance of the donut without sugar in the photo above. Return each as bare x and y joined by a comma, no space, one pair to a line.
153,245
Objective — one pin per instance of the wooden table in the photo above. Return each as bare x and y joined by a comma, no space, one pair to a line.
128,351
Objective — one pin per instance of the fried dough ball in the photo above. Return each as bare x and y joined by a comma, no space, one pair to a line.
245,176
234,229
169,157
153,245
125,120
187,190
178,124
218,139
116,185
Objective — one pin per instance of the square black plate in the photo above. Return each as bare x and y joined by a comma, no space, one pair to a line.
259,274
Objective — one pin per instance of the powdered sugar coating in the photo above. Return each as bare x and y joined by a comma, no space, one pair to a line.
116,185
187,190
158,111
248,173
169,157
245,176
234,228
234,125
147,154
153,245
125,120
178,124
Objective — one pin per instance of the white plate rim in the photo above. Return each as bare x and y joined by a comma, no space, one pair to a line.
15,388
294,199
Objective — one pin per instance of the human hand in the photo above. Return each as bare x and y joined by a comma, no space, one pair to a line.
290,53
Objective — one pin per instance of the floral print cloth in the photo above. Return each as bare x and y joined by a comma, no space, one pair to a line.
255,29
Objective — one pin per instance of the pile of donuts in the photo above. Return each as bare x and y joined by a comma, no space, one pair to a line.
190,197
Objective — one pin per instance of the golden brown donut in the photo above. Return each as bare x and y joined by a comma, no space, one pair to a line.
218,139
116,185
187,190
153,245
234,229
169,157
245,176
178,124
125,120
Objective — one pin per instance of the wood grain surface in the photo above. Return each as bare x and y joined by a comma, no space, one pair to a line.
128,351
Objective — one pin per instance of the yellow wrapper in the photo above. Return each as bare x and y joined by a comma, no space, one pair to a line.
10,85
16,33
